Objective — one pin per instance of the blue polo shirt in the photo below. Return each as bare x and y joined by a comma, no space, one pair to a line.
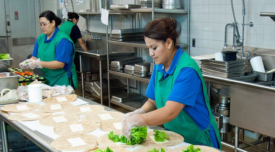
63,51
187,90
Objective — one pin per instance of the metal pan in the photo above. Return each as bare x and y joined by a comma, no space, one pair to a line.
127,31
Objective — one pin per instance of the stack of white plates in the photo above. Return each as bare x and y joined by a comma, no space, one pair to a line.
148,3
172,4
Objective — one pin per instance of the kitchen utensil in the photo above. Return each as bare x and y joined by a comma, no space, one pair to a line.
229,55
8,80
126,97
35,93
129,69
5,64
115,86
127,31
125,6
263,76
141,70
257,64
245,78
218,56
120,64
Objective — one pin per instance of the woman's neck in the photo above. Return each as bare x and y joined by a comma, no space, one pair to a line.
50,35
168,64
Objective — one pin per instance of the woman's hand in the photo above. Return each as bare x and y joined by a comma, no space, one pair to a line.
128,124
25,64
35,64
129,114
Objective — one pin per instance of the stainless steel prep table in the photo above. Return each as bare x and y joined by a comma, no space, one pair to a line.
36,137
100,57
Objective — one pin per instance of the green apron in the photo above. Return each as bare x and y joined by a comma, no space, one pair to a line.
183,124
66,27
46,52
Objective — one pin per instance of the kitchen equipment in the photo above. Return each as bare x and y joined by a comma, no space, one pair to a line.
257,64
271,71
127,31
127,35
229,55
151,69
5,64
218,56
10,96
126,97
129,69
124,6
119,64
263,76
8,80
222,115
172,4
245,78
148,3
115,86
142,69
97,5
88,86
35,93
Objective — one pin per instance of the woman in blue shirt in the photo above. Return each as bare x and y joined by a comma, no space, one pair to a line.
177,96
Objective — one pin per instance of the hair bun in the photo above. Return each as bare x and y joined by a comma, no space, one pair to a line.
173,22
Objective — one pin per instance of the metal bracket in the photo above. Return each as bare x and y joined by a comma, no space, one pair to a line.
250,24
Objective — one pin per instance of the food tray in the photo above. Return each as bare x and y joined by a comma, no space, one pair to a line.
126,97
118,65
246,78
263,76
235,63
126,6
142,67
140,73
226,70
115,86
127,31
222,74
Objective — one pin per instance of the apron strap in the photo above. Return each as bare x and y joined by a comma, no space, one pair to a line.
206,132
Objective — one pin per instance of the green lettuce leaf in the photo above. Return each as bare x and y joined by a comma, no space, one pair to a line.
191,149
5,56
160,136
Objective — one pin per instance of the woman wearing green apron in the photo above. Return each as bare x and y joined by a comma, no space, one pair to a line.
54,53
177,96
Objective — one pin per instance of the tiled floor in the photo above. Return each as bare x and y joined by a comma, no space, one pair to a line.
90,97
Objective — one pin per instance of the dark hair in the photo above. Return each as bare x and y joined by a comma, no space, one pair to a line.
58,21
49,15
73,15
163,28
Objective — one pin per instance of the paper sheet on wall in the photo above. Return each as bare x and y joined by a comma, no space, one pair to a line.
104,16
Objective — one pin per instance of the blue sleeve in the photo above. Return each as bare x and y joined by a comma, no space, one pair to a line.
150,92
186,87
64,52
35,49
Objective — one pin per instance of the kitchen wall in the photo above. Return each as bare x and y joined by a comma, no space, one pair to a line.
209,17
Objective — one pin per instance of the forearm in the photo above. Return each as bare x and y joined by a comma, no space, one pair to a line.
82,44
148,106
52,64
163,115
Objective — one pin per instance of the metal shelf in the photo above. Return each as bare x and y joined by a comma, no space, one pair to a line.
146,80
140,44
149,10
88,13
130,105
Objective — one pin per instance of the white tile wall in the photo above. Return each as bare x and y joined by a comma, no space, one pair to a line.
209,17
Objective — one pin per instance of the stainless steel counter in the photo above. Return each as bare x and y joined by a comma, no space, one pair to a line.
36,137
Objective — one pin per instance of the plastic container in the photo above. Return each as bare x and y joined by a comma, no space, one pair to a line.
229,55
257,64
35,93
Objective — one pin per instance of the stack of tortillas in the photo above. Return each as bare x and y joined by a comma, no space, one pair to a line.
112,125
55,107
80,127
76,142
203,148
53,120
22,107
84,109
60,99
28,116
102,116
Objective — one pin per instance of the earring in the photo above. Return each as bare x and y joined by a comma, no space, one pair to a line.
168,47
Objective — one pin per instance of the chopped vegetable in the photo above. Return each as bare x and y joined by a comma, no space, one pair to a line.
5,56
155,150
191,149
107,150
160,136
138,135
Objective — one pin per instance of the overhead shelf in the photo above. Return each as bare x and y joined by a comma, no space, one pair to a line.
140,44
146,80
130,105
269,14
137,10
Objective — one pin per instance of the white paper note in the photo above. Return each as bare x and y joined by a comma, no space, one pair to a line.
104,16
59,119
61,99
118,125
76,127
153,138
22,107
76,142
106,116
56,107
85,109
30,115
